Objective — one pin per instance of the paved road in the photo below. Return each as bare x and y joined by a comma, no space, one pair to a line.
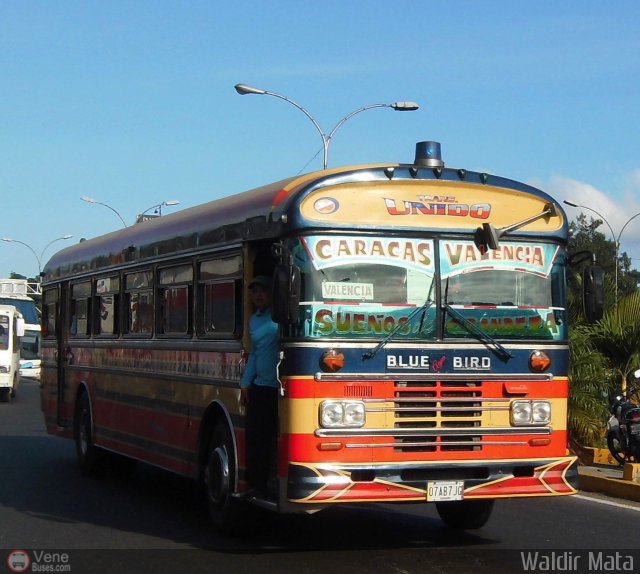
157,523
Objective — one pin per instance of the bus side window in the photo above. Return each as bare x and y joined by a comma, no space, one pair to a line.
140,312
174,314
49,313
107,306
139,303
219,297
219,308
175,300
80,310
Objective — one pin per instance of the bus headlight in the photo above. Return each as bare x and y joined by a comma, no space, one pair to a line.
530,413
541,412
342,414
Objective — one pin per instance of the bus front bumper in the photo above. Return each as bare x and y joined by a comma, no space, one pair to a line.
321,483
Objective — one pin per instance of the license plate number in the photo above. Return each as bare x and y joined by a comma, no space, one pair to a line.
634,429
442,490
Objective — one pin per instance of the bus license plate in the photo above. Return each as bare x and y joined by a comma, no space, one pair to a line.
443,490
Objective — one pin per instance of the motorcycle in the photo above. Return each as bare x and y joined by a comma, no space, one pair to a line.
623,428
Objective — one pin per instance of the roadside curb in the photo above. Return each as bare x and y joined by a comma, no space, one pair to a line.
606,476
599,456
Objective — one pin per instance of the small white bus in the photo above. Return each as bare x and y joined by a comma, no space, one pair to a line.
22,294
11,333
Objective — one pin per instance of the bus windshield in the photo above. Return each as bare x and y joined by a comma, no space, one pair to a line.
4,332
365,287
27,308
513,292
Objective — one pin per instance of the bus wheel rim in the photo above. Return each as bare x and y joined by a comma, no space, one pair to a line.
218,476
84,435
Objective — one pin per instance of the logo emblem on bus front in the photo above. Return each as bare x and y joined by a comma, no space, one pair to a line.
326,205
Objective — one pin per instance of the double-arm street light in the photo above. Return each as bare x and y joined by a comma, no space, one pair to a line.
157,206
38,257
616,239
91,200
243,90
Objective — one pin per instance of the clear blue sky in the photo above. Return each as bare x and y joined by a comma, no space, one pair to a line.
132,102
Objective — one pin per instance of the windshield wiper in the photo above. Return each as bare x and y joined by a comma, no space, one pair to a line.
474,329
373,352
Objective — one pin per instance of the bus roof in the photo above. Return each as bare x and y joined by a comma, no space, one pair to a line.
400,197
19,288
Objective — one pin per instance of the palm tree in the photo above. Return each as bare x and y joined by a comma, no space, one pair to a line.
603,356
617,337
589,380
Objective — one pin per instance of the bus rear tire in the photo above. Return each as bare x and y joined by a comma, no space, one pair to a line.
465,514
5,395
227,514
91,458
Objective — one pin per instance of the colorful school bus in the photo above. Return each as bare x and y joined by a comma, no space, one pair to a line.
423,340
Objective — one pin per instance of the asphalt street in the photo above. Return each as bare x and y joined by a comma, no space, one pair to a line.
155,521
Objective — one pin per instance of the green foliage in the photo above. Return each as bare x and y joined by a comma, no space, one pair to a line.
617,337
585,237
590,380
603,355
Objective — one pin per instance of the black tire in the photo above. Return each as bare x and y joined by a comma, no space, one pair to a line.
465,514
616,449
5,395
91,459
228,514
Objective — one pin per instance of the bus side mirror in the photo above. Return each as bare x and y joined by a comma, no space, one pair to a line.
491,235
286,294
593,292
19,327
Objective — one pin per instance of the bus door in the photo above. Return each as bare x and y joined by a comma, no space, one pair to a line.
63,351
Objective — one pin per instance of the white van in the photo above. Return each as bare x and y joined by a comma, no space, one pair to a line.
11,333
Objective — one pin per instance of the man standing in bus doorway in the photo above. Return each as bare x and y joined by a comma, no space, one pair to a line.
259,389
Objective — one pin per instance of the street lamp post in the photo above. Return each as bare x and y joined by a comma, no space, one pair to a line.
157,206
91,200
38,257
243,90
616,239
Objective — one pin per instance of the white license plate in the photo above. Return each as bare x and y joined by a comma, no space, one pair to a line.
442,490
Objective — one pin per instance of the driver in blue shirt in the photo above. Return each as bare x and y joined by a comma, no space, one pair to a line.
259,389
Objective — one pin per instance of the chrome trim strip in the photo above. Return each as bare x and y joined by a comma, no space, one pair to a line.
417,431
463,376
435,409
438,400
453,344
436,444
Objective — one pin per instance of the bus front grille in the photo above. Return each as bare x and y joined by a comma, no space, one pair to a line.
438,405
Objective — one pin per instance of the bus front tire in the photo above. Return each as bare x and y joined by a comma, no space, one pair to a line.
465,514
90,457
227,514
5,395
